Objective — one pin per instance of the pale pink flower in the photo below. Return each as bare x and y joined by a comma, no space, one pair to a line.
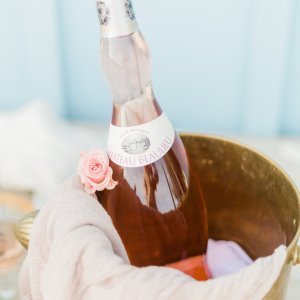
94,171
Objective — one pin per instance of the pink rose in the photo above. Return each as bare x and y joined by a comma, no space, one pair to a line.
95,172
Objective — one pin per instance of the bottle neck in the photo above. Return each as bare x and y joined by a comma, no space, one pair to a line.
140,110
125,60
126,65
117,18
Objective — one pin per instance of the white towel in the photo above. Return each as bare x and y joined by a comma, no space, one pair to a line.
75,253
38,150
225,257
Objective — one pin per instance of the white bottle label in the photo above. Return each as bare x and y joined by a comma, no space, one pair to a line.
141,145
116,17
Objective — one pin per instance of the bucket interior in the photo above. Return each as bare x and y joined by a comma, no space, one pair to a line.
249,199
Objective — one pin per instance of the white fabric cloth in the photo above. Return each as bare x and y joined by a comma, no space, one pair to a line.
38,150
75,253
225,257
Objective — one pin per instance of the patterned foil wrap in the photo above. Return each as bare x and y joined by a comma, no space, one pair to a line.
116,17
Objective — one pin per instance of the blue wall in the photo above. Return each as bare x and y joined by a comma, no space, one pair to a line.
218,66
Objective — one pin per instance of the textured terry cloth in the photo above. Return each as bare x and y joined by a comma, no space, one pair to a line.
75,253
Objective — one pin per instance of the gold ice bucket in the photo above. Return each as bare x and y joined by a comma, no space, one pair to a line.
250,200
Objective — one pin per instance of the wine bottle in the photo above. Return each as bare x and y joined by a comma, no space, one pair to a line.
157,207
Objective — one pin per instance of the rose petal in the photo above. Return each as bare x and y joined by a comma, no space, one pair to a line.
94,171
112,184
93,164
89,188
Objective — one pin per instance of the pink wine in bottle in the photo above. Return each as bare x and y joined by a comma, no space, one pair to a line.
158,207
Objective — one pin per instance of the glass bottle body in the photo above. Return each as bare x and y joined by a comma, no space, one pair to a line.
158,209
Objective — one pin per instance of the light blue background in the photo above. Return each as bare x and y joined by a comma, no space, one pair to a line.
218,66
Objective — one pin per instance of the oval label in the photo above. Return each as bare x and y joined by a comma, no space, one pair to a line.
141,145
135,143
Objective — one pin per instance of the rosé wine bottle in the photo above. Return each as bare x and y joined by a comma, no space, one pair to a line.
158,207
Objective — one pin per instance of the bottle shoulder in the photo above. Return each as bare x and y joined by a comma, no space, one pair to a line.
136,112
170,172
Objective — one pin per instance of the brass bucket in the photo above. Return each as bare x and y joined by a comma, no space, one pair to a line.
250,200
